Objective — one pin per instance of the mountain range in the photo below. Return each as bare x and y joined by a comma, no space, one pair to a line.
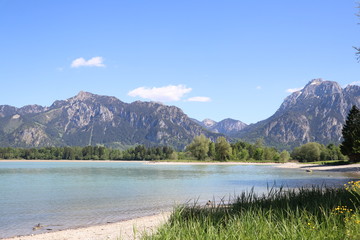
90,119
227,126
314,113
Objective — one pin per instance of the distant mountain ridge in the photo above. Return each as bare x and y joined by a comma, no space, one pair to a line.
315,113
90,119
227,126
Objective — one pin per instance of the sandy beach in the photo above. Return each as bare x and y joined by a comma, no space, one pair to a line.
124,230
351,168
78,161
207,163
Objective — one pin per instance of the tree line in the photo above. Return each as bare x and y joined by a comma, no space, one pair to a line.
312,152
202,148
87,153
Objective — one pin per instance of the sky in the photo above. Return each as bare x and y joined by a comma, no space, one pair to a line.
213,59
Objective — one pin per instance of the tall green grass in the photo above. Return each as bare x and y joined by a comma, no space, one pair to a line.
316,213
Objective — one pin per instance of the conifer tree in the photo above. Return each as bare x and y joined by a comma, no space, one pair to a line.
351,135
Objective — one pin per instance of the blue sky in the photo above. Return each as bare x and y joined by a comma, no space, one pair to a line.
213,59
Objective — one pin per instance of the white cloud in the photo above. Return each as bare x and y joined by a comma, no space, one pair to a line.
258,87
355,83
199,99
161,94
92,62
292,90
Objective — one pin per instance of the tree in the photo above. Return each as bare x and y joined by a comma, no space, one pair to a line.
223,149
244,154
199,147
333,152
174,156
284,156
351,135
308,152
357,53
270,154
212,152
259,143
258,154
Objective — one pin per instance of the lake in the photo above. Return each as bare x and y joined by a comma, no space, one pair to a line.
64,195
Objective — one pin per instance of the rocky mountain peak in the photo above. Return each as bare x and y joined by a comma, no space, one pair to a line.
353,92
321,87
315,81
315,113
352,88
315,89
6,110
227,126
32,109
230,126
88,98
81,96
208,122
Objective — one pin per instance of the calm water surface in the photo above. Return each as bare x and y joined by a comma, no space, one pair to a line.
62,195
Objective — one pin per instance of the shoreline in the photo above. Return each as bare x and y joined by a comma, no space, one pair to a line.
77,161
350,168
142,161
208,163
125,230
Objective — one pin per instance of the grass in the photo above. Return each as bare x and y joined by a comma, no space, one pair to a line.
316,213
329,162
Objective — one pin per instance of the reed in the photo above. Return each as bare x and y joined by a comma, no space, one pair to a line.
315,213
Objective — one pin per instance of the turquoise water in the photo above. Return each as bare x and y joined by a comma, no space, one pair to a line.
62,195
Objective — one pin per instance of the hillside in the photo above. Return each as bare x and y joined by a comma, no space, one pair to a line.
315,113
90,119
